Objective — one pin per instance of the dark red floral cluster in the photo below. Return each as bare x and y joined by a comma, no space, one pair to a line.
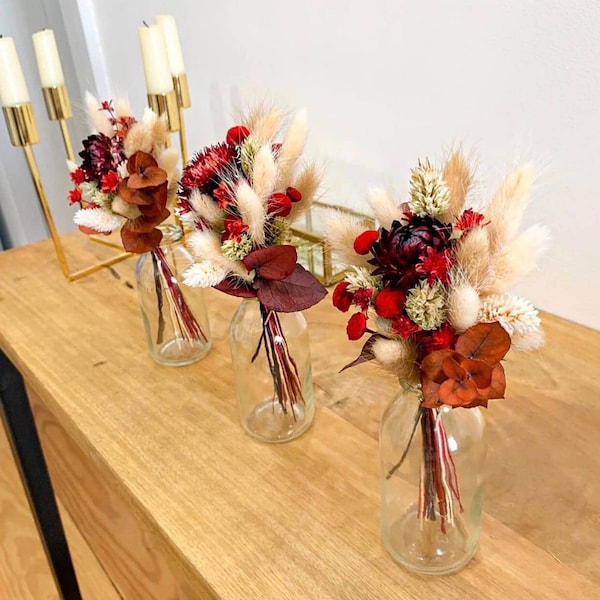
280,283
101,157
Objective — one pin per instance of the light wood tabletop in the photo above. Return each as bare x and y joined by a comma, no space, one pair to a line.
176,501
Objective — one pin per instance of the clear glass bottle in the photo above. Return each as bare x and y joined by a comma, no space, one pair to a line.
174,315
431,495
257,353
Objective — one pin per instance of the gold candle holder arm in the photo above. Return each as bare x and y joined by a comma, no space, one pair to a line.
182,93
58,108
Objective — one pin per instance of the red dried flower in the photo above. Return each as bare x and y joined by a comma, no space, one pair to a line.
342,298
205,170
469,219
443,338
77,176
435,265
404,327
364,242
74,196
109,182
234,227
293,194
279,205
389,303
362,298
223,196
356,326
236,135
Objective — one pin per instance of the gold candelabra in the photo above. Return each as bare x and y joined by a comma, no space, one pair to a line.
23,132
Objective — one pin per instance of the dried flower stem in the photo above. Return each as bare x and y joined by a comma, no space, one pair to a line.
287,389
182,319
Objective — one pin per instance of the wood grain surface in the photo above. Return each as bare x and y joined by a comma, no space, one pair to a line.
24,570
242,520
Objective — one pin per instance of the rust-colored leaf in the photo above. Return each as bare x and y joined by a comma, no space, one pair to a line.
477,371
454,392
140,242
131,196
485,341
497,385
431,365
452,369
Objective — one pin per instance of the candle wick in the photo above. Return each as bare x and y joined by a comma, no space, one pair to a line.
146,24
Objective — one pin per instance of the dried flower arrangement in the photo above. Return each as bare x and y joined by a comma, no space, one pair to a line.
240,197
430,288
127,178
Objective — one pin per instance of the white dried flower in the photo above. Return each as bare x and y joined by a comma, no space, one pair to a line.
360,279
425,305
429,194
516,315
204,274
237,250
98,219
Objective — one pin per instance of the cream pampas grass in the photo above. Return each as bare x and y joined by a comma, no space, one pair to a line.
398,357
291,148
505,211
72,166
307,183
97,119
206,207
342,229
264,121
204,274
252,210
458,177
122,108
473,257
125,209
519,258
463,306
147,135
167,159
264,172
383,206
206,245
98,219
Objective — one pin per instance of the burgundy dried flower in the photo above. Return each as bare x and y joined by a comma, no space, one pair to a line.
97,155
398,250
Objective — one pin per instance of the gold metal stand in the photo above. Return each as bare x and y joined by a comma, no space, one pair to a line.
182,93
59,109
22,131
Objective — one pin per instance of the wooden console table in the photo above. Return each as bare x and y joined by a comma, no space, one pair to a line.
177,502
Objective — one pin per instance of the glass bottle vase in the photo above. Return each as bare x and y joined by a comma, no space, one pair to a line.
272,370
432,463
174,316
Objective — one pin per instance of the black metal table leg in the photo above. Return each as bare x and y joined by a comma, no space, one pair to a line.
27,451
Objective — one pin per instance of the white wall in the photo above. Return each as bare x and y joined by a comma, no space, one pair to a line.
391,80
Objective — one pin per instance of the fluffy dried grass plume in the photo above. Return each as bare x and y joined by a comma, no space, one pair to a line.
458,176
342,229
397,356
307,182
473,257
97,118
125,209
291,148
252,210
167,159
264,121
122,108
518,259
206,208
149,135
463,306
505,211
264,172
206,246
383,206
